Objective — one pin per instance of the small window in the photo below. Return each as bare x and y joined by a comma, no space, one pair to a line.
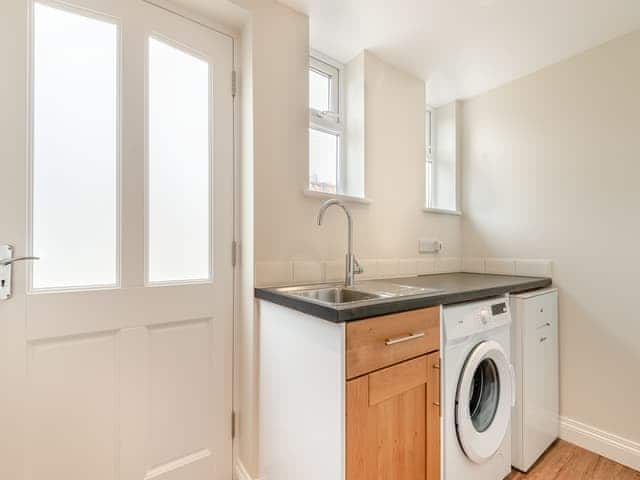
442,168
326,126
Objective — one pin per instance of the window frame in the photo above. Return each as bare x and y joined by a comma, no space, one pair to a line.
431,160
331,121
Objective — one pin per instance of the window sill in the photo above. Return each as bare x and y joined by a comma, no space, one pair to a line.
442,211
346,198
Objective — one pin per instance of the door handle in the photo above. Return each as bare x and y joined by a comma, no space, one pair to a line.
10,261
6,272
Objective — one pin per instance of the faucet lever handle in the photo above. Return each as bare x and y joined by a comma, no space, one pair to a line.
357,268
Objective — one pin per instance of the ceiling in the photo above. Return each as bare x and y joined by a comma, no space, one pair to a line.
464,47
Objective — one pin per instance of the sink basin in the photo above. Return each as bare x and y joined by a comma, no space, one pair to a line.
367,291
335,295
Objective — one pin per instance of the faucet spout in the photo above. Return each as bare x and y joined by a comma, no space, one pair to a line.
352,266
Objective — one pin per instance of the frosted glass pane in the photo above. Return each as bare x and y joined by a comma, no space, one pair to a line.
319,90
178,199
323,161
75,92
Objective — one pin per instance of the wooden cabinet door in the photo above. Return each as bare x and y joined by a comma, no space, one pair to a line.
433,416
392,433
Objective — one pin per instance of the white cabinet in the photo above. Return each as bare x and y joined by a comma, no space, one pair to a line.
535,421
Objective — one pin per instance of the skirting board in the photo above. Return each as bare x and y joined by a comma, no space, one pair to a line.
241,472
603,443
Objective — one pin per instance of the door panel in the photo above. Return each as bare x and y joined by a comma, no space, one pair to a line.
71,380
131,381
393,429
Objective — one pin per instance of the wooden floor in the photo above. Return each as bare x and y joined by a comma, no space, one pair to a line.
565,461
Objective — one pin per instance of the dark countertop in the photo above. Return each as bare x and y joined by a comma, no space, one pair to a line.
456,288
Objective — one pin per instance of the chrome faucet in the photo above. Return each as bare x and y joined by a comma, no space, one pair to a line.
352,267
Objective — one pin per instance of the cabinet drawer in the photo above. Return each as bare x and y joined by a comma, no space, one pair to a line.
378,342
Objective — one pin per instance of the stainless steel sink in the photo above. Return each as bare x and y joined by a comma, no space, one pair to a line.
364,292
335,295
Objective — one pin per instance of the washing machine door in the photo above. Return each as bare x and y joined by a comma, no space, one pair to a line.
483,401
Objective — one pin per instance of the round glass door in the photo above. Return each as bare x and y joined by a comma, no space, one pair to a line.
484,395
483,401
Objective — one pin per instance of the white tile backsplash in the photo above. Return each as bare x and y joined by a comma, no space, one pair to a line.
500,266
370,268
535,268
425,266
407,267
310,271
388,268
448,264
334,270
473,265
305,271
274,273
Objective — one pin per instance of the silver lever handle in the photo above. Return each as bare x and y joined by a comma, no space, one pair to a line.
9,261
357,269
413,336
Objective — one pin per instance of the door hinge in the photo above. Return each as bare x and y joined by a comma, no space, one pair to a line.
235,253
233,424
234,83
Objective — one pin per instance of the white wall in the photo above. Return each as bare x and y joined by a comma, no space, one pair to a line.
273,65
354,104
551,170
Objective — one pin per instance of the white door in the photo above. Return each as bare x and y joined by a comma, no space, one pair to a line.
116,136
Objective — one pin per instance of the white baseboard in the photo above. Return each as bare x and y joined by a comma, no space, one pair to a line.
603,443
241,473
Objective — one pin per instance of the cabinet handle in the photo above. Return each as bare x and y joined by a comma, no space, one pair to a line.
543,339
436,404
436,366
412,336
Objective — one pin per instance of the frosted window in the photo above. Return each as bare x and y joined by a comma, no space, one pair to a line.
75,145
319,91
324,149
178,198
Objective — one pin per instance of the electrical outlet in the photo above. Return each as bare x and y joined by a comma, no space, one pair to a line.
429,245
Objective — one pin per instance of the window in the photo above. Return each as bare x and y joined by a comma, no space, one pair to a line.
179,148
326,127
74,149
442,167
429,135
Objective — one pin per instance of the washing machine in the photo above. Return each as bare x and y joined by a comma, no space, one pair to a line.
478,390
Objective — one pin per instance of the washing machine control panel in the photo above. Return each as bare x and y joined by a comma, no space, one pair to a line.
467,319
